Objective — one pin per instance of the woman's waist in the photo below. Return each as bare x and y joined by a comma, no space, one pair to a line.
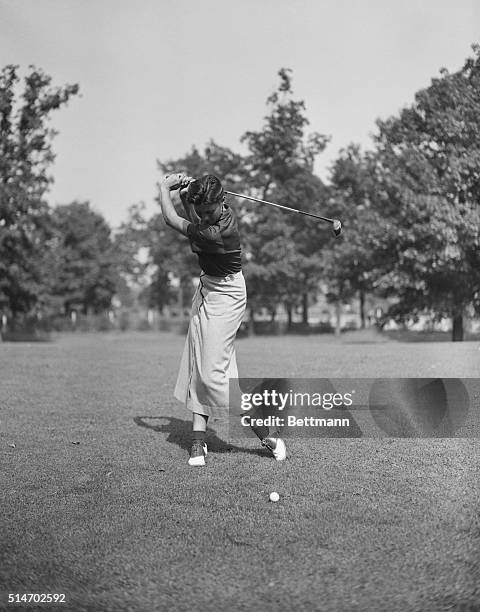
227,278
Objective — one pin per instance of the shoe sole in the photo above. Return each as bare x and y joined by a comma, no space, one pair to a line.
197,461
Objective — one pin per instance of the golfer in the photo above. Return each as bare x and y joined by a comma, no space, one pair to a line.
218,305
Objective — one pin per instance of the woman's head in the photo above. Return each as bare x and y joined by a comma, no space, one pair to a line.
206,196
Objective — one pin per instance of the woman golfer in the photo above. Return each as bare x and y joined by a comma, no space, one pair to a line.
218,305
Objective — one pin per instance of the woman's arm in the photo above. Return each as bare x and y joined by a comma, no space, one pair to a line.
188,208
172,218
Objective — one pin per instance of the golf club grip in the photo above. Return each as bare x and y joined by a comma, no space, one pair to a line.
177,185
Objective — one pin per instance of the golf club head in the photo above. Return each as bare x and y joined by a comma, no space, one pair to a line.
337,227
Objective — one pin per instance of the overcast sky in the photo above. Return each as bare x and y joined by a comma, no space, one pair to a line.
159,76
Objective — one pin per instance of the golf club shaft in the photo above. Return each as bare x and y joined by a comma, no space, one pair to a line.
300,212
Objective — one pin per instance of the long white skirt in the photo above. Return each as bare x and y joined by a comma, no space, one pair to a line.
208,360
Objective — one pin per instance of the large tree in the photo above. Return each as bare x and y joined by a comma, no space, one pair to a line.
429,195
283,249
26,155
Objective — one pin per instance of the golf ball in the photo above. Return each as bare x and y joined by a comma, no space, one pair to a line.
274,496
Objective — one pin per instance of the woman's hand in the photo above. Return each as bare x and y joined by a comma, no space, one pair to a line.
173,181
177,181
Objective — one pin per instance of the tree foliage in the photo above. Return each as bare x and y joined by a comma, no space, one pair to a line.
410,210
283,249
428,161
351,264
84,264
25,156
131,244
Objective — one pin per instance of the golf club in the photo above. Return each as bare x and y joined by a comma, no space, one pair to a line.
337,226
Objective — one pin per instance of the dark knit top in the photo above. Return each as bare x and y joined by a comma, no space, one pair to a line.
217,246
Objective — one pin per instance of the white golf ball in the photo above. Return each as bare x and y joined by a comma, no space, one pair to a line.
274,496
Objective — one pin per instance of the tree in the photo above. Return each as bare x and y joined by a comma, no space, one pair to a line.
25,157
350,266
283,250
131,245
85,263
429,195
175,267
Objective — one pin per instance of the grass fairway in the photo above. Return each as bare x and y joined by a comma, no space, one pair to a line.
98,502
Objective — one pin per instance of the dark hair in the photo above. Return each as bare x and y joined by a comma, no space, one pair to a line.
205,191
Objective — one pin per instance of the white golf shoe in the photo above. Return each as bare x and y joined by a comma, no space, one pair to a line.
198,452
276,446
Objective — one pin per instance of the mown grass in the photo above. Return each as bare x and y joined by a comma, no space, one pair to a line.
98,501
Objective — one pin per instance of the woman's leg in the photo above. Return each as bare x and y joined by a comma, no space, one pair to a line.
199,425
198,450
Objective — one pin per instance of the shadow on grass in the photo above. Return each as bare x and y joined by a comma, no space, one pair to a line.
180,433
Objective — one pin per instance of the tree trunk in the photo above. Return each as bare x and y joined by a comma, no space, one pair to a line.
457,326
305,309
338,314
288,308
362,309
251,323
180,300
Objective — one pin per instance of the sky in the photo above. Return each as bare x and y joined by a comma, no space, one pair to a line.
158,77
